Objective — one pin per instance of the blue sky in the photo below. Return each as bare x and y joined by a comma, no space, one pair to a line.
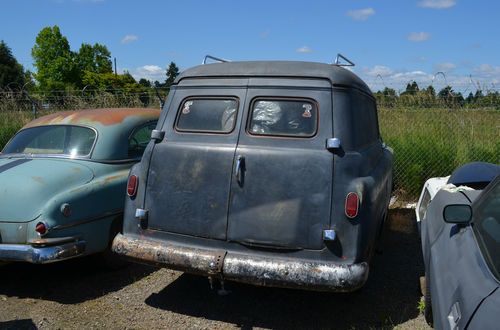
391,41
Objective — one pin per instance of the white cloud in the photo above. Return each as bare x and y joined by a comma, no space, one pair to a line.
484,76
418,36
150,72
379,70
129,38
361,14
437,4
304,49
487,70
411,75
380,76
445,67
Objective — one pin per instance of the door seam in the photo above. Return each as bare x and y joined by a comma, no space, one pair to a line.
230,195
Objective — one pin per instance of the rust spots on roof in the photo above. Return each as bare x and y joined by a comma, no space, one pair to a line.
105,116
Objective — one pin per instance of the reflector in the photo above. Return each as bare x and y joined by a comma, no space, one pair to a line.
132,185
351,205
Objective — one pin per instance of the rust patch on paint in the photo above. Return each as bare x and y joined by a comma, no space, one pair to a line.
38,179
106,116
114,177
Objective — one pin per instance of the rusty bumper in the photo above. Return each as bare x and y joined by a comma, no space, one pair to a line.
248,268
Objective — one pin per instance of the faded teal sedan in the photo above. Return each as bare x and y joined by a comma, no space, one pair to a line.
63,182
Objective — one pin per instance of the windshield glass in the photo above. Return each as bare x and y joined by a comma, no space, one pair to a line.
73,141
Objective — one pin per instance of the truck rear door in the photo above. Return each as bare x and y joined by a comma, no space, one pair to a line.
282,178
190,171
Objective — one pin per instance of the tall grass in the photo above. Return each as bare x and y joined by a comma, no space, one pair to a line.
434,142
10,123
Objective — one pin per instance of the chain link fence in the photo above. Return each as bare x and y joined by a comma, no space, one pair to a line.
430,136
15,100
433,142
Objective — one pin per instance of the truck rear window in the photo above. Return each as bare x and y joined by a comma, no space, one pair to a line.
207,115
295,118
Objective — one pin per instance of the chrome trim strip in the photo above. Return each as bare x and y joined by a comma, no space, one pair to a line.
85,221
43,255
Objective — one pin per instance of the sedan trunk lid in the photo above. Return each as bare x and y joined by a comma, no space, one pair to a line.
29,183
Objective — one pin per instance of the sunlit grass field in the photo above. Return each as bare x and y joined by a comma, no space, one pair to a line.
434,142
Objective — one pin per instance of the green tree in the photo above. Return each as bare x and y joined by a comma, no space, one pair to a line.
386,97
470,98
144,82
111,82
10,70
172,73
446,92
411,88
430,91
96,58
450,97
389,92
54,61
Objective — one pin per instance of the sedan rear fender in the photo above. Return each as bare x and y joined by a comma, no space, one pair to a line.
98,201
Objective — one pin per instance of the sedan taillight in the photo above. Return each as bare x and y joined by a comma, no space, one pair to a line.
41,228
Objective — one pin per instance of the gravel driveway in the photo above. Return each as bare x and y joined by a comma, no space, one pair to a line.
78,294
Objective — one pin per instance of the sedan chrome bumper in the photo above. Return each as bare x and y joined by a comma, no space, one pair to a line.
41,254
255,269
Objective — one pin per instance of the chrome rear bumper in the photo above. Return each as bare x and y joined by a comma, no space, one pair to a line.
255,269
41,254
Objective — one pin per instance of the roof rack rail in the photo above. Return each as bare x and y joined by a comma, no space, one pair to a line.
213,58
342,57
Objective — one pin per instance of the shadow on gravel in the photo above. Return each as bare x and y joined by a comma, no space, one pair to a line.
389,298
18,325
67,282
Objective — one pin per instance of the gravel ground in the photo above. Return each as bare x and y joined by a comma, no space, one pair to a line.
78,294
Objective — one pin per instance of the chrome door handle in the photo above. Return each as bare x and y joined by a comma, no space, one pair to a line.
240,169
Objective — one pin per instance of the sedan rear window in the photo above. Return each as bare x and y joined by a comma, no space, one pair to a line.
68,140
295,118
207,115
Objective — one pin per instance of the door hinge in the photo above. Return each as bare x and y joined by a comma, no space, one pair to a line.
329,235
333,144
141,214
157,135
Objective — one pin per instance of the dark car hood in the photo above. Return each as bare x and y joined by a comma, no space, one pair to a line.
26,185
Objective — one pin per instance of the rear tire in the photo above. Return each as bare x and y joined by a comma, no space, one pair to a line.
379,241
107,259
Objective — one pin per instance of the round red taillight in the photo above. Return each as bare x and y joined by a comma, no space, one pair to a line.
41,228
133,180
351,205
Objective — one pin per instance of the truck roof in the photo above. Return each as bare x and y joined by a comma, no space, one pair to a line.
337,75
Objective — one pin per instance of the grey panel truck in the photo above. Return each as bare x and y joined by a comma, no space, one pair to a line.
271,173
